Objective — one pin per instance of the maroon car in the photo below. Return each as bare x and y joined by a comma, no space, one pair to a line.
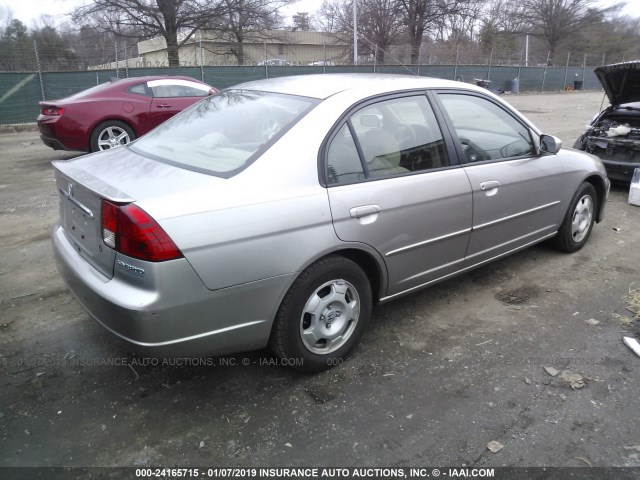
117,112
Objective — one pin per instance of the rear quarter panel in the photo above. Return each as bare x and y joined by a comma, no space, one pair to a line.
269,220
132,109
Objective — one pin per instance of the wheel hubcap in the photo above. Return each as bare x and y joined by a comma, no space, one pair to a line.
112,137
582,216
329,317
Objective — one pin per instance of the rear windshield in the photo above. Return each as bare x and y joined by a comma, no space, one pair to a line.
224,133
89,91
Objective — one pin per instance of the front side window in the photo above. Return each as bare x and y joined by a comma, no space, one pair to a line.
396,137
225,132
486,131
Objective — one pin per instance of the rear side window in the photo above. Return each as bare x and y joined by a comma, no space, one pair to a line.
343,161
225,132
395,137
140,89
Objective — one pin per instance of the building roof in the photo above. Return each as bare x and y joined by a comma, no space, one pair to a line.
278,37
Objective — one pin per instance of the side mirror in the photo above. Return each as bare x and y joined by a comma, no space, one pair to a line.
550,144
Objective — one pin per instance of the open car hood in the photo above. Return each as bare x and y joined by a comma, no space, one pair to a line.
621,81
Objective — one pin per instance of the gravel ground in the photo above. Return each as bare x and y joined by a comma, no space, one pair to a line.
438,375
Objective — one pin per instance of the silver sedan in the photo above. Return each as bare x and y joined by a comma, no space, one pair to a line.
278,212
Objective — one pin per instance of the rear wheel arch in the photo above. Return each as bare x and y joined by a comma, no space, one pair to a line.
368,263
373,266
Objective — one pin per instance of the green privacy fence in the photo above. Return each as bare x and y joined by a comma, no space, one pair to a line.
21,92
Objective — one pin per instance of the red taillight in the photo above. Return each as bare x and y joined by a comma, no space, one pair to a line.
49,110
131,231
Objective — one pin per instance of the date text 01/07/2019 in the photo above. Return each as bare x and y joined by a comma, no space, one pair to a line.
313,472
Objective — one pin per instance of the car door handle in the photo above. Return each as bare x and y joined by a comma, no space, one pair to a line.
164,105
484,186
364,211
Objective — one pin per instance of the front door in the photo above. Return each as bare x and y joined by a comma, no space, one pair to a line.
516,193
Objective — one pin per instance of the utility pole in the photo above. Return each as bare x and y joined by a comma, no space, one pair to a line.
355,32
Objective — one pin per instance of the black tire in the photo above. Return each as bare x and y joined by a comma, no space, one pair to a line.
110,134
337,285
578,221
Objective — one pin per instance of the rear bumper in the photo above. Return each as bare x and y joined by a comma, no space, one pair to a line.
58,134
53,143
174,314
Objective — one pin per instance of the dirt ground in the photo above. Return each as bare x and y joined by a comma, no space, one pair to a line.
438,375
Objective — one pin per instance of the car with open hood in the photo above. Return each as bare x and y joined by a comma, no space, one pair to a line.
614,134
278,212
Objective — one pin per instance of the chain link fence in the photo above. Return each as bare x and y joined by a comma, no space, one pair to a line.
507,71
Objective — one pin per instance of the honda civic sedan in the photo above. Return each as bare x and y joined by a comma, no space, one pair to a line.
279,212
115,113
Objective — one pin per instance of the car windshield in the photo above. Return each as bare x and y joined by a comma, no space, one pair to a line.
224,133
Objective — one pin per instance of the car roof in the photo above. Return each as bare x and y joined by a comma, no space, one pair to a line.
133,80
322,86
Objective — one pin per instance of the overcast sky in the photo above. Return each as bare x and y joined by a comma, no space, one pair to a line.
29,10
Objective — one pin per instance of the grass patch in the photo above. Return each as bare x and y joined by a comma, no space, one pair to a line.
633,301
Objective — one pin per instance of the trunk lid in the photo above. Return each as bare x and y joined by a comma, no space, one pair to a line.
80,214
621,82
120,176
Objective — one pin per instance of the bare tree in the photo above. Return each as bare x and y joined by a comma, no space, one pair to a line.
462,27
558,20
505,15
174,20
55,51
6,15
302,21
501,22
334,16
379,23
613,39
419,16
242,20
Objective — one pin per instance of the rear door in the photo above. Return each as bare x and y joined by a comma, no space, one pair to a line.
391,185
516,193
